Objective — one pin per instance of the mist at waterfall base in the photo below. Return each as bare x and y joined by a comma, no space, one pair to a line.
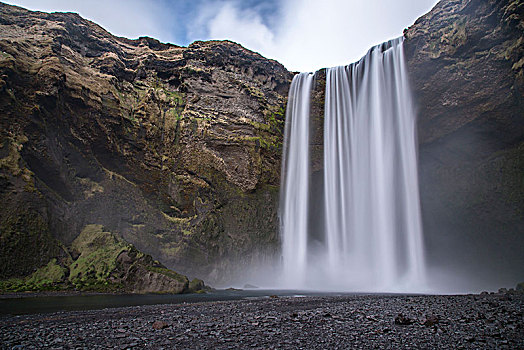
354,223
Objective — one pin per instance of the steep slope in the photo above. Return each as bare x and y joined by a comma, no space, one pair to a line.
175,149
466,62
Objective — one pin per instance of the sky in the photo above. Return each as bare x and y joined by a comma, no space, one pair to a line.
303,35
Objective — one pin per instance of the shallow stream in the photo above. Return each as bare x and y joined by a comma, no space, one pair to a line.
46,304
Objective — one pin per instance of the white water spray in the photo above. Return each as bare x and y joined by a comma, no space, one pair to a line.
372,236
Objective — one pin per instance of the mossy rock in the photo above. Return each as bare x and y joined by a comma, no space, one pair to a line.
169,273
50,277
97,262
196,286
107,263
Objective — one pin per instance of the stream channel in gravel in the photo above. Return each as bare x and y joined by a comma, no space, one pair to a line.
30,303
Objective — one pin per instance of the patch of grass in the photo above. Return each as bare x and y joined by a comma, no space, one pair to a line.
49,274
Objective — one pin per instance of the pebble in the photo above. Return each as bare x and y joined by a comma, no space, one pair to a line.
361,321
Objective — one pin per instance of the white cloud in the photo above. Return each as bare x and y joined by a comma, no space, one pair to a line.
243,26
304,35
312,34
128,18
226,20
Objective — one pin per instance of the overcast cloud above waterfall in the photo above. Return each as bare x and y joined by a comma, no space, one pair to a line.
304,35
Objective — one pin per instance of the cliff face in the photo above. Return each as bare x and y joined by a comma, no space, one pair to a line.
175,149
466,64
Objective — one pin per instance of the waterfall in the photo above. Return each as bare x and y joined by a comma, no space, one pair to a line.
295,175
371,236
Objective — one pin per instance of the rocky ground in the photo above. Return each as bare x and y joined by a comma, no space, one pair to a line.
369,321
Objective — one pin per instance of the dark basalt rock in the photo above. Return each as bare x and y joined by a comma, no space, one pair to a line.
158,325
465,60
175,149
403,320
431,320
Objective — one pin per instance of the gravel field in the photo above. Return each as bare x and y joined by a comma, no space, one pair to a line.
368,321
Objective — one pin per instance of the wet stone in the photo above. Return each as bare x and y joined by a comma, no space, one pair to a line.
160,325
403,320
431,320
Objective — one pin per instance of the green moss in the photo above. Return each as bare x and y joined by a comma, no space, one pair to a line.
174,112
169,273
449,38
92,238
196,286
269,134
98,259
178,220
49,274
277,118
11,163
518,65
264,140
49,277
186,232
255,92
176,98
260,126
12,285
